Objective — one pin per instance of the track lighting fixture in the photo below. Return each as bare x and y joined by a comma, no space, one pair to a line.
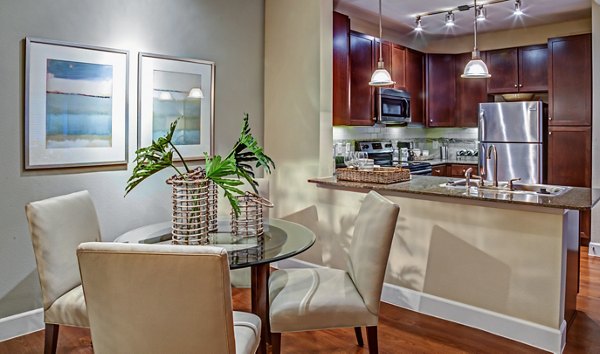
450,19
480,12
381,77
518,10
419,26
475,68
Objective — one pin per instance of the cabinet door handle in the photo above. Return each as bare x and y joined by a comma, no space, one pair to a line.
375,118
516,85
550,133
549,118
520,85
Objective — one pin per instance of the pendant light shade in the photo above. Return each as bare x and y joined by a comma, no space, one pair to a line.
475,68
381,77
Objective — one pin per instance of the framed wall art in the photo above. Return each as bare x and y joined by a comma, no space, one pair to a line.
75,105
173,88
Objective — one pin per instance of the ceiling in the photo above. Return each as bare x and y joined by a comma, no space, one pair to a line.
399,15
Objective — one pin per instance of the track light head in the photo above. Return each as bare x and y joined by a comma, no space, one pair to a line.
518,10
449,19
480,13
418,24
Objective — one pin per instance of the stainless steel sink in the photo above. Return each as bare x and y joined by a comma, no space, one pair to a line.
503,187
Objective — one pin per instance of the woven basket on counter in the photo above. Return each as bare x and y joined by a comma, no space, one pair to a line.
384,175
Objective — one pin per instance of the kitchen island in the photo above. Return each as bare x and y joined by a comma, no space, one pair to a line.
506,263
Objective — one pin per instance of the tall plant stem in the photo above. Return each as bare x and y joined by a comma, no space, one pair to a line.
187,169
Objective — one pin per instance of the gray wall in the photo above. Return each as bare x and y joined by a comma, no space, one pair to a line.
230,33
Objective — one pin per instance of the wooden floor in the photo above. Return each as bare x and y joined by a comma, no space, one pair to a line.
400,331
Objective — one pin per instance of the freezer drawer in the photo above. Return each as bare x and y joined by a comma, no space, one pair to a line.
511,122
515,160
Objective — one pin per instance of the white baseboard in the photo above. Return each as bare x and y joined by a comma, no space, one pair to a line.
21,324
594,249
530,333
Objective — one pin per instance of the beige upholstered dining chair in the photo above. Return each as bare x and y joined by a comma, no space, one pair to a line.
58,225
321,298
162,299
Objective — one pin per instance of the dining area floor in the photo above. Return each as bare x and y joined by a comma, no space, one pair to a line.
400,330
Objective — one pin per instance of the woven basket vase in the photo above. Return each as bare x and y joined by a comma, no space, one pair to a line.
194,209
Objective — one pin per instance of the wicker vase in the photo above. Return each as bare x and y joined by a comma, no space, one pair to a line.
194,208
249,223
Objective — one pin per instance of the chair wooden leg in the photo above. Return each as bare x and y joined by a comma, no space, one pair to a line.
51,338
275,343
359,338
372,339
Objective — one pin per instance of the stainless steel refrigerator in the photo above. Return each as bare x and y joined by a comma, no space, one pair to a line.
517,130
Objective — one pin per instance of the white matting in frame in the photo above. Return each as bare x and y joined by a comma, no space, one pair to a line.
172,88
75,105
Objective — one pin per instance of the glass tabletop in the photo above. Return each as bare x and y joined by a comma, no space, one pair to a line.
282,239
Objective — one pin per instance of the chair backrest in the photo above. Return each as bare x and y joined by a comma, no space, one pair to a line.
370,247
157,298
58,225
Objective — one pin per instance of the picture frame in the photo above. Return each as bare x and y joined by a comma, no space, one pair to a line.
173,88
76,105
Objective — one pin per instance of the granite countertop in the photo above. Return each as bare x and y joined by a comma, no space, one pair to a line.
575,198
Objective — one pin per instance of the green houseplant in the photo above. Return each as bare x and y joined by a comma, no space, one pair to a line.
227,173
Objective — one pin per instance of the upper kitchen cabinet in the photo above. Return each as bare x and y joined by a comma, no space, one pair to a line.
570,80
362,49
398,59
386,52
441,90
415,62
522,69
469,94
341,69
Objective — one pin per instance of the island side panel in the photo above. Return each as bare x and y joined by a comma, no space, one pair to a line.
503,260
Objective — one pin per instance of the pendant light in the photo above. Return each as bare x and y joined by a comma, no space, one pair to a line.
381,77
476,68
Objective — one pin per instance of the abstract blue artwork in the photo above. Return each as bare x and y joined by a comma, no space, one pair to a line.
75,105
78,104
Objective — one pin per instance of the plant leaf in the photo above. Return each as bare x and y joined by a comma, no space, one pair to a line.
247,151
152,159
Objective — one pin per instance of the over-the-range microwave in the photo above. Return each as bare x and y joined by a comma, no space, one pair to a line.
393,106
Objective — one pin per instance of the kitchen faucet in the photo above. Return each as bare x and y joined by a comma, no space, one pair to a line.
492,150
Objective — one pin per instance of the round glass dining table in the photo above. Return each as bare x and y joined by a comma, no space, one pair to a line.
282,239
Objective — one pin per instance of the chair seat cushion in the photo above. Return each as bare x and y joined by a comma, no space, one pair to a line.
69,309
246,327
315,298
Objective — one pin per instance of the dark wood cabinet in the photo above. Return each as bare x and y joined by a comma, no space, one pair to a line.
441,90
438,170
570,80
570,156
415,63
362,49
341,69
469,94
533,68
522,69
504,68
398,58
459,170
386,53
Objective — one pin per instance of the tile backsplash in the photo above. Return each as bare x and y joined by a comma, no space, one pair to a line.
423,138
